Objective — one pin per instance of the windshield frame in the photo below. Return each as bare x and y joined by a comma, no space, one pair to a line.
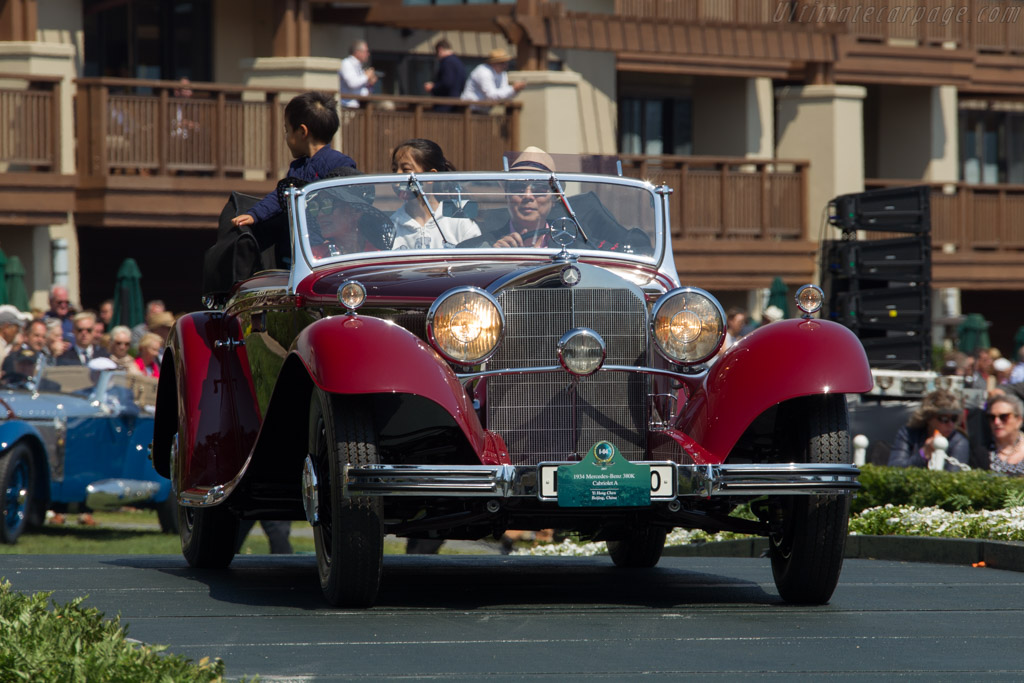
305,263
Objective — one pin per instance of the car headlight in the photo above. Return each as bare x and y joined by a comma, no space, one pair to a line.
465,325
688,325
809,299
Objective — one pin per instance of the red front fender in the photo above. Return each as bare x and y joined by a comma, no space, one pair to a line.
774,363
363,355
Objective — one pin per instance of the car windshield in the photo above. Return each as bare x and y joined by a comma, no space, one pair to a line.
436,211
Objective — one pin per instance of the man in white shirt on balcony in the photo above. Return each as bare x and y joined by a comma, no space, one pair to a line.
489,81
355,78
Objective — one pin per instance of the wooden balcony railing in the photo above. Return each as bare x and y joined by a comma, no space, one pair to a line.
970,217
130,126
730,198
30,137
987,25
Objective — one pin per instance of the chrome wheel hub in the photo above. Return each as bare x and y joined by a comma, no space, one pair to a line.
310,492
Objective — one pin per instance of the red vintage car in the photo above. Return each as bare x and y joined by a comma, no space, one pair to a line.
425,364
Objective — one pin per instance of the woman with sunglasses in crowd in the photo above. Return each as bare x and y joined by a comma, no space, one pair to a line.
940,413
1003,453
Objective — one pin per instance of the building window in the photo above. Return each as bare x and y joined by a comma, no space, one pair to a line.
992,142
655,126
148,39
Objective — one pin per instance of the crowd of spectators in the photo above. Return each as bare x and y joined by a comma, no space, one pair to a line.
488,81
67,335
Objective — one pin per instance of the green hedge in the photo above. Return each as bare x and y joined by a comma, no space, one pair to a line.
952,491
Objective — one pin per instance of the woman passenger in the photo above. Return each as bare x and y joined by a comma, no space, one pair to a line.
416,227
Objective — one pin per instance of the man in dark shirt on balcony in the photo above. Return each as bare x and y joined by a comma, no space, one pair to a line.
450,78
311,120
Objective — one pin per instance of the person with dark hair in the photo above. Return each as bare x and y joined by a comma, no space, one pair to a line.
420,221
940,413
311,120
450,78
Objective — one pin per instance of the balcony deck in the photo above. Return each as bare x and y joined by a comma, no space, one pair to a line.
736,222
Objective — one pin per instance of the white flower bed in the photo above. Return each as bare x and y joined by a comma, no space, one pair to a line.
888,520
904,520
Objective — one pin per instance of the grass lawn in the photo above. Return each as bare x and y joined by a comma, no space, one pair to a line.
137,532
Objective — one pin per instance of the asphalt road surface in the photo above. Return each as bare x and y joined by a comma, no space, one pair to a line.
511,618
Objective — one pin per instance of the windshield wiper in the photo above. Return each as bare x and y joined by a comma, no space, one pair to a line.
557,187
417,189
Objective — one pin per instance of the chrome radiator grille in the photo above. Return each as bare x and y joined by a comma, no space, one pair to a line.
534,412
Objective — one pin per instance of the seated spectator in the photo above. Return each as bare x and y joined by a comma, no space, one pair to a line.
21,365
1002,367
1003,453
85,347
148,362
120,343
1017,371
940,413
153,308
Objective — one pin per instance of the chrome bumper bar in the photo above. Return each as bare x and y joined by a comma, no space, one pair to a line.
510,481
110,494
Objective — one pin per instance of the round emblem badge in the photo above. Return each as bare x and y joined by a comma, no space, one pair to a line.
604,452
571,275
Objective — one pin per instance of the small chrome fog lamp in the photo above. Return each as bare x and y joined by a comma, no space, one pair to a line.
581,351
809,299
351,295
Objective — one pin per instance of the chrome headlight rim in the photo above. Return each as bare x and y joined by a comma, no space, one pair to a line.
436,343
663,301
352,295
805,299
573,335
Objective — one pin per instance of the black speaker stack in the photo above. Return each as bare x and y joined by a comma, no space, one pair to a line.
881,288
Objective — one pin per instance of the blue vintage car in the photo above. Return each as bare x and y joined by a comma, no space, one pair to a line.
78,436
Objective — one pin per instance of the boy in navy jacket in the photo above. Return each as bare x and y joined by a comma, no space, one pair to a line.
311,120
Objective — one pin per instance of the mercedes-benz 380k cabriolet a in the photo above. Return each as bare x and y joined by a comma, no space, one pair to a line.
525,357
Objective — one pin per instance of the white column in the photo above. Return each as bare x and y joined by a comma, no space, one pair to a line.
824,125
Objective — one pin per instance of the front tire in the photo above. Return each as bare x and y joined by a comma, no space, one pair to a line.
349,537
208,536
807,548
17,488
641,550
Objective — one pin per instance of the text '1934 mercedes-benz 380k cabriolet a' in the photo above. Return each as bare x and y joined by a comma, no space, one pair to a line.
525,358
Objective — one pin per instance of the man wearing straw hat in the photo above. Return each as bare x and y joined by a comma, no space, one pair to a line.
489,81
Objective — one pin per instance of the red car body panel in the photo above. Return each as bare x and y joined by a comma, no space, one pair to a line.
774,363
218,416
351,354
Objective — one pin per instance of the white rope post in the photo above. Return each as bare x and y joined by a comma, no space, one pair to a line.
938,459
860,450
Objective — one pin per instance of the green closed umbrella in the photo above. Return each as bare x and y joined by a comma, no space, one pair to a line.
14,279
778,295
972,333
128,305
1018,341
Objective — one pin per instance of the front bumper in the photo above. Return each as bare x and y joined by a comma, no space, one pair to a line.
523,481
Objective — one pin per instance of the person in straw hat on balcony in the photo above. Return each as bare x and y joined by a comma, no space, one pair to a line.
489,81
